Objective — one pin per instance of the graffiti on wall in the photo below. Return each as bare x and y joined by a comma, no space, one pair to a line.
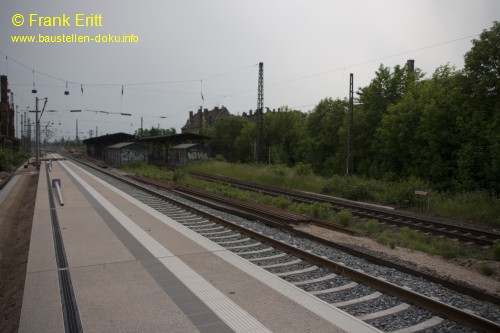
194,155
133,155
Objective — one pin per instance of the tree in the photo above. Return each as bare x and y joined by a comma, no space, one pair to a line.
437,140
479,156
224,134
284,130
482,66
395,136
245,142
327,148
141,133
387,88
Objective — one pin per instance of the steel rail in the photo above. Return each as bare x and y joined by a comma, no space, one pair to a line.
466,318
284,216
182,191
484,237
271,212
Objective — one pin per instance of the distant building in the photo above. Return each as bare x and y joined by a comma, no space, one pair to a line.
123,153
196,123
7,128
251,115
187,152
96,146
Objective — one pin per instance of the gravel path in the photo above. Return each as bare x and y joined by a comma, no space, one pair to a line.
462,270
15,231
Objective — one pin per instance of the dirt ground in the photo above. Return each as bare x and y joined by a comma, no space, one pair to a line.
16,217
465,271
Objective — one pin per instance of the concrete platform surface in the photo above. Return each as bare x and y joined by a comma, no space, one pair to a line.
133,269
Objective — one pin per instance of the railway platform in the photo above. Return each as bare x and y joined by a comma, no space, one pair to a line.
106,262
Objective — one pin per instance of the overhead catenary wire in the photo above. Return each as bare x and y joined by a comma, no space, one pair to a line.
242,68
209,77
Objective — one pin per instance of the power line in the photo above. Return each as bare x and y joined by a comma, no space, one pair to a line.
117,86
114,85
370,61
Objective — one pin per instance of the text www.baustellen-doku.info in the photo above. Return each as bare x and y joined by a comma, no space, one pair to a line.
77,20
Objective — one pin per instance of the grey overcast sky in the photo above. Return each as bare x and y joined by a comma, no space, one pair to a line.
189,47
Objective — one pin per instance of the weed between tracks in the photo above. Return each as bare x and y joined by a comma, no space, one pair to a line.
477,207
289,178
145,170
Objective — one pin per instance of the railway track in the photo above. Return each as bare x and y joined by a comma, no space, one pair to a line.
448,229
385,298
259,211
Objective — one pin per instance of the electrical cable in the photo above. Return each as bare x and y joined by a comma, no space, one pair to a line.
114,86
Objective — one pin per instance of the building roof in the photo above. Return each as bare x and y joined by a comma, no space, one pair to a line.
109,139
121,145
185,145
174,138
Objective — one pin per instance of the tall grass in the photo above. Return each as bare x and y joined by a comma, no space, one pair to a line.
463,204
475,206
344,217
142,169
10,159
275,175
419,241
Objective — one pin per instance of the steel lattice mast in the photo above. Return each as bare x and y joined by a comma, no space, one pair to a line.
259,151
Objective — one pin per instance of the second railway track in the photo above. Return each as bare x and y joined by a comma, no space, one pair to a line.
464,233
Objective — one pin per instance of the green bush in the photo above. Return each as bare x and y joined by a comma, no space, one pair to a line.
219,158
302,169
353,188
447,248
344,217
303,208
399,193
281,202
6,162
372,226
388,240
486,269
10,159
321,210
179,175
279,170
496,251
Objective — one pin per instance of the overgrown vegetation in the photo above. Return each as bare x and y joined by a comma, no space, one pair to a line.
10,159
419,241
316,210
371,227
279,175
344,217
496,251
476,206
437,133
142,169
387,239
486,269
